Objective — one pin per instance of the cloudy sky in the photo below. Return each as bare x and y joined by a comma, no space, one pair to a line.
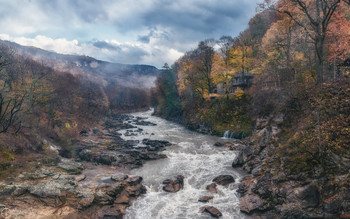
124,31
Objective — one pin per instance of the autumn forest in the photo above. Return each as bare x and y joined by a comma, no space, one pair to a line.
289,69
277,95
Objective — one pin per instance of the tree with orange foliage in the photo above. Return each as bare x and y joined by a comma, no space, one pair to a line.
314,17
338,42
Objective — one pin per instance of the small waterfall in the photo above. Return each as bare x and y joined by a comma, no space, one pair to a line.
232,134
226,134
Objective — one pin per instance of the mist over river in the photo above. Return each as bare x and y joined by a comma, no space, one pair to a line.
192,156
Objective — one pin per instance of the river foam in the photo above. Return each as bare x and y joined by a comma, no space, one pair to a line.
193,156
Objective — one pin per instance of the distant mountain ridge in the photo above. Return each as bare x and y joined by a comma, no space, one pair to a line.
99,71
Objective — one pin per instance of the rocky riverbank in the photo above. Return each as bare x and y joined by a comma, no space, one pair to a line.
269,191
68,190
92,184
106,146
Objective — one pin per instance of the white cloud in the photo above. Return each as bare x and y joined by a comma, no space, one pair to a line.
60,45
133,31
108,50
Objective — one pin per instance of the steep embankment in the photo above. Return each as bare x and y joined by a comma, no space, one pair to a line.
299,160
298,153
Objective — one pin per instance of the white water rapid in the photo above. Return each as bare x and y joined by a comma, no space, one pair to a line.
194,157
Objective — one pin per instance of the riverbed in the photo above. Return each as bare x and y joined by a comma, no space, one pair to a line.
192,156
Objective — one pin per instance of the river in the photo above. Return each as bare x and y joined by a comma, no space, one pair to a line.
193,156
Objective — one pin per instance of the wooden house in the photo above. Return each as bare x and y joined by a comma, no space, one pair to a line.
344,68
243,81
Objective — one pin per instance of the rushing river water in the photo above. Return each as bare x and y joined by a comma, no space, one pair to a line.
194,157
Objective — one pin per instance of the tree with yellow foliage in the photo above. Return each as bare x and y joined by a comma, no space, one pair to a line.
242,53
223,70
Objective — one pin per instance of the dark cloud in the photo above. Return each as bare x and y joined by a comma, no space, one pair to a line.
144,38
201,17
128,55
89,11
146,30
105,45
122,53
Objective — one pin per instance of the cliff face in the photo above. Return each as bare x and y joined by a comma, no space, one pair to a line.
274,191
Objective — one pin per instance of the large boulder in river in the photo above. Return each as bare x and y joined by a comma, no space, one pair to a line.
214,212
224,180
174,185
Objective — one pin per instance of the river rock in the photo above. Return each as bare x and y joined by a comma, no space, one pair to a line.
111,213
205,198
21,189
38,174
111,149
233,146
70,166
103,198
250,202
52,189
84,199
134,180
144,123
135,191
238,161
80,178
256,171
212,188
153,156
224,180
102,157
122,199
173,185
156,144
219,144
6,189
214,212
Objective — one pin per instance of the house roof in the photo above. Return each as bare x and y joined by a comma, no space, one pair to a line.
246,76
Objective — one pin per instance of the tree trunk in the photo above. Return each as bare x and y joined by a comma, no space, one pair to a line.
319,44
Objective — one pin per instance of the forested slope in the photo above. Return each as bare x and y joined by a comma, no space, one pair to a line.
40,106
294,116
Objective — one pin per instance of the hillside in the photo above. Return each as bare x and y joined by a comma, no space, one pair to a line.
90,68
39,104
255,125
285,95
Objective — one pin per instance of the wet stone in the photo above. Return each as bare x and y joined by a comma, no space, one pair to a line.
214,212
224,180
70,166
173,185
212,188
205,198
